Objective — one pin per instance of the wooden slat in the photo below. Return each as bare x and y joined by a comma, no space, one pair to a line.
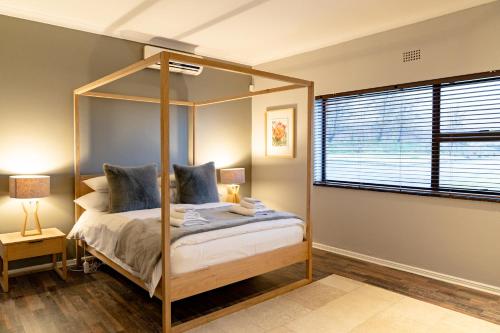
249,94
237,69
310,110
192,134
133,98
223,274
76,149
140,65
165,191
238,306
76,156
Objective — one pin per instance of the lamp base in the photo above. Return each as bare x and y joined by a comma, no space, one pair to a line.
32,232
31,209
232,194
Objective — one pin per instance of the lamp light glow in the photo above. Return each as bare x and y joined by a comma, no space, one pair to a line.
233,177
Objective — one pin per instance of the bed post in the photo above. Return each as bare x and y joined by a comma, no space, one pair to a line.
165,193
76,152
192,133
310,110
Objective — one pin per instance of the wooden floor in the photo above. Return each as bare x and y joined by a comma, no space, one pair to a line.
106,302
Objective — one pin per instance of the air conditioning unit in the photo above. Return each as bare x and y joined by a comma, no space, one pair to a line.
174,66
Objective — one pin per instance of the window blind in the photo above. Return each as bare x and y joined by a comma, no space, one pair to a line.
434,138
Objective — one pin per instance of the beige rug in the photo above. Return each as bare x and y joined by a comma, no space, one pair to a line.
336,304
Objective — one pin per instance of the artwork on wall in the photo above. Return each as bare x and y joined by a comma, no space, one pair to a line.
280,132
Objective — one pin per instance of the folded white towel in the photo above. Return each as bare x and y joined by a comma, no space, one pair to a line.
249,205
251,200
187,215
185,207
183,223
249,212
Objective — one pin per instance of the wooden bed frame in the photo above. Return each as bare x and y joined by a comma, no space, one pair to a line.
172,288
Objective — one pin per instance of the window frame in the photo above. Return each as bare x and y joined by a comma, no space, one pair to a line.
438,137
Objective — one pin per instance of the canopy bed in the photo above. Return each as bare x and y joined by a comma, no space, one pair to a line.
182,283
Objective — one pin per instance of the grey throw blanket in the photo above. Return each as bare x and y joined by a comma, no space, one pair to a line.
139,244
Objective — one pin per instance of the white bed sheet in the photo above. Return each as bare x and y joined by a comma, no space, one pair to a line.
194,252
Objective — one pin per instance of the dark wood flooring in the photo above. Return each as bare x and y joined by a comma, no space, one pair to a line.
107,302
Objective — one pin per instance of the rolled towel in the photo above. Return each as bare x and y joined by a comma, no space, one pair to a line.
176,222
249,205
249,212
251,200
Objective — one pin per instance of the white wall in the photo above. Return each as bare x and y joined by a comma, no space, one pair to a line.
450,236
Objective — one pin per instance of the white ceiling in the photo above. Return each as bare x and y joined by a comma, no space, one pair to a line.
245,31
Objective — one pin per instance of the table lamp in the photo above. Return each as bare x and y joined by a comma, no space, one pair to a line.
29,188
233,178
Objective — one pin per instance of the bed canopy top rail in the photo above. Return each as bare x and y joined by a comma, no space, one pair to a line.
154,100
131,69
144,99
248,95
274,261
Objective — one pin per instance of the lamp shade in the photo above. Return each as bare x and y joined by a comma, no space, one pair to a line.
232,176
29,186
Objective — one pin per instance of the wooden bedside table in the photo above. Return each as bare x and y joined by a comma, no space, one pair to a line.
13,246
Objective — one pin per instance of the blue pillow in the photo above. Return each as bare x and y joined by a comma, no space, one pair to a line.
196,184
132,188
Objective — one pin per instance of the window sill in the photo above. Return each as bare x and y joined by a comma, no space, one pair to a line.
420,192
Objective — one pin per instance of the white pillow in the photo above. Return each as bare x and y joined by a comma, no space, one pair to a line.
98,184
97,201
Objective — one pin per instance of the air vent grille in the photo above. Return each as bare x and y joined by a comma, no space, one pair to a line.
412,55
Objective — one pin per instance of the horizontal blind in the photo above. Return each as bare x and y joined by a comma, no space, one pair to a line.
470,136
431,139
381,138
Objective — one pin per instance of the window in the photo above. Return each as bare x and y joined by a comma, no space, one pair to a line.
436,138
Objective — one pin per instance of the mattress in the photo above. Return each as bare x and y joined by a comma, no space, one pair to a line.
194,252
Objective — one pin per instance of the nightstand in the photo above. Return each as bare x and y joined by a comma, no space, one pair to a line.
13,246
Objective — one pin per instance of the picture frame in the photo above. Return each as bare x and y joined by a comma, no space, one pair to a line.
280,132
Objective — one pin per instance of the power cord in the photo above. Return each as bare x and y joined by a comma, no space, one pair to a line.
88,266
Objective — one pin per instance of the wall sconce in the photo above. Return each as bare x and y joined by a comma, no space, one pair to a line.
29,187
233,178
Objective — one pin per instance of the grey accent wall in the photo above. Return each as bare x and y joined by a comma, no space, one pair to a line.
40,65
450,236
224,131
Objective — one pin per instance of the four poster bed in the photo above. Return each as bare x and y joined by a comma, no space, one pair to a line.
176,286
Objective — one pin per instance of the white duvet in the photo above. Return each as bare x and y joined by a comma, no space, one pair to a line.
101,231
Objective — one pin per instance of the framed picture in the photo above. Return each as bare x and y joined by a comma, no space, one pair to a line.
280,132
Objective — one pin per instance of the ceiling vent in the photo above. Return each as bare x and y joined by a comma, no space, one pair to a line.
412,55
174,66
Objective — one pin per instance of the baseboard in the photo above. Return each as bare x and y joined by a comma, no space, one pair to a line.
411,269
39,268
